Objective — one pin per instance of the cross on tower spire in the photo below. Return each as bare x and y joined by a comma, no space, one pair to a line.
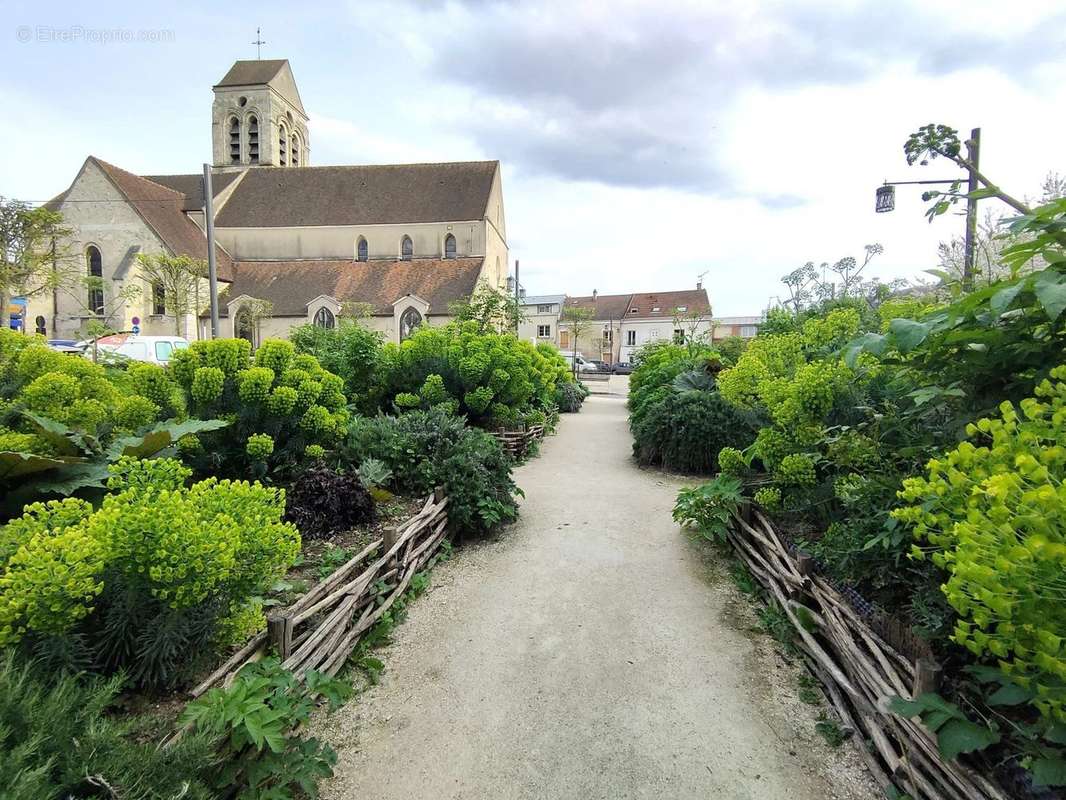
258,44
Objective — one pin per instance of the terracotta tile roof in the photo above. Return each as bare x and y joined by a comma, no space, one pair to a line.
692,300
192,186
161,209
251,73
271,197
641,306
291,285
602,306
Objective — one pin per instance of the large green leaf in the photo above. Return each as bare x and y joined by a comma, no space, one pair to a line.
63,439
1049,771
161,436
1050,290
908,333
17,465
962,736
1002,299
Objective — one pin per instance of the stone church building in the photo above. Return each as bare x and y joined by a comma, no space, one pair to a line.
404,240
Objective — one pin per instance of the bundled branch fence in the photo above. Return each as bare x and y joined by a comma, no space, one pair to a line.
517,443
859,669
321,629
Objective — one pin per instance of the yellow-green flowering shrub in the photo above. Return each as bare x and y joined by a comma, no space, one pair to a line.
279,397
146,578
993,515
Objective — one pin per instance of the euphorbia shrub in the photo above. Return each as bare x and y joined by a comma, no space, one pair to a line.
993,512
278,404
141,583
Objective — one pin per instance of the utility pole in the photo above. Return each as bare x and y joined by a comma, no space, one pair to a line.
212,273
973,155
517,297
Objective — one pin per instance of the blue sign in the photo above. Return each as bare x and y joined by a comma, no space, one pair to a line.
136,329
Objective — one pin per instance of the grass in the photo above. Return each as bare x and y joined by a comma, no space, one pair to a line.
831,731
809,691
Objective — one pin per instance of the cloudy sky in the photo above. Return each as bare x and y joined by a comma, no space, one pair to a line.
643,143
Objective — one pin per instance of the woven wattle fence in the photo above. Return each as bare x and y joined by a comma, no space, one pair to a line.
517,443
321,629
859,669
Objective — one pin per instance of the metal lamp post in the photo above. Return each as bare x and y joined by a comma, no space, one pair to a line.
886,201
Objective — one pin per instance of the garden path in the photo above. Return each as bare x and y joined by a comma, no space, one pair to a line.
590,651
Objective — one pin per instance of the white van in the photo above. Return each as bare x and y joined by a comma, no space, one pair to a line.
151,349
582,364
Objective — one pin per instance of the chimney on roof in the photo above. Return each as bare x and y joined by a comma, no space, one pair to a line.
521,293
699,285
594,293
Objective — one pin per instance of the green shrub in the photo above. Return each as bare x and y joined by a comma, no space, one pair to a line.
994,516
708,509
141,583
59,740
255,719
278,404
432,448
492,378
351,351
569,396
685,431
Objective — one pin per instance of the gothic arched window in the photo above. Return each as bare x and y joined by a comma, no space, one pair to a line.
235,140
407,249
94,269
409,321
449,246
253,139
324,319
283,146
294,149
362,250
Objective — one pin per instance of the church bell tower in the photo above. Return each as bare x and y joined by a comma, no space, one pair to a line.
257,119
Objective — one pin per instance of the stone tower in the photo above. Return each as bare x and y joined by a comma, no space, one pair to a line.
257,118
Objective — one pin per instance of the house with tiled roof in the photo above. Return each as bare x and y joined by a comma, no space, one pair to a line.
303,243
619,324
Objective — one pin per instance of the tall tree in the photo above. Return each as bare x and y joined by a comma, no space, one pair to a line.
491,309
176,281
35,258
577,321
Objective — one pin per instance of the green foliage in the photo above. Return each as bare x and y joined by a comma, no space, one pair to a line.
59,740
374,473
569,395
277,405
149,573
829,730
955,733
993,515
254,719
352,351
769,498
708,509
425,449
685,431
484,375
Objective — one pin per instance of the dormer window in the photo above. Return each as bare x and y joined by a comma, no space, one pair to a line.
633,310
449,246
682,309
656,309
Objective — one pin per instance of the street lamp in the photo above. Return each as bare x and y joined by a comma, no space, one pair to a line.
886,201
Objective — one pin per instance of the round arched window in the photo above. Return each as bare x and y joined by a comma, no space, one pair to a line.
407,248
324,319
362,250
449,246
409,321
242,326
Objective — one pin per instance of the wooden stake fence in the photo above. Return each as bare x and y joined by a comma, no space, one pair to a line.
517,443
860,671
321,629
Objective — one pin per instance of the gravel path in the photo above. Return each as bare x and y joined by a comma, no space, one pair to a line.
590,651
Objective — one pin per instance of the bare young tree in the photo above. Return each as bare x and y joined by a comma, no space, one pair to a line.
176,281
576,320
33,257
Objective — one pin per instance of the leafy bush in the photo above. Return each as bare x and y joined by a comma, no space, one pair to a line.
489,377
58,740
708,509
324,501
351,351
685,431
254,719
993,515
569,396
432,448
142,583
278,404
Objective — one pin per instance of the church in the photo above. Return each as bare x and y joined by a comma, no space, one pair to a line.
295,243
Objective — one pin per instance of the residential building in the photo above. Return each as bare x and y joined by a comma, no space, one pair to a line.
297,241
541,322
744,327
622,323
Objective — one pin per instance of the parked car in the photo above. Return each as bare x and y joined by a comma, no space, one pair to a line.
133,347
69,346
623,368
600,366
583,364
